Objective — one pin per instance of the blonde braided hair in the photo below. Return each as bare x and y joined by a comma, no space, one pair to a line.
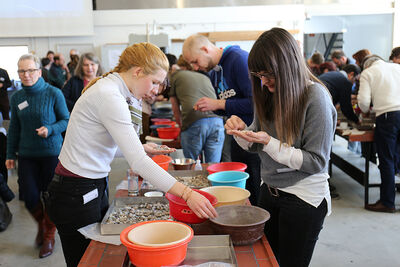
144,55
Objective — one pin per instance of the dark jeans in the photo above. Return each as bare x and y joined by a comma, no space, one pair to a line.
34,175
294,226
64,203
387,139
252,160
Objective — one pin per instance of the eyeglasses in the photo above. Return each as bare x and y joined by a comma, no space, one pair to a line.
259,75
29,71
163,86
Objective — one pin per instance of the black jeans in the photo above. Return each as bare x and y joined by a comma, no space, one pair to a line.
252,160
34,175
387,139
294,226
66,208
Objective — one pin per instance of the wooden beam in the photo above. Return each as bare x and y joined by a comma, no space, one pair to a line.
237,35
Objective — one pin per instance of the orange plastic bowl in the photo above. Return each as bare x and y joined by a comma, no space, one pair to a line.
170,254
226,166
162,160
181,211
168,133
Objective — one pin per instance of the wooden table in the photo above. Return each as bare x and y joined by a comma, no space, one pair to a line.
361,176
106,255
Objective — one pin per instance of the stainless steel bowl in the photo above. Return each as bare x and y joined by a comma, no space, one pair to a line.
183,163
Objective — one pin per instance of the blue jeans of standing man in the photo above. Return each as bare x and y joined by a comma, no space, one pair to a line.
387,139
205,134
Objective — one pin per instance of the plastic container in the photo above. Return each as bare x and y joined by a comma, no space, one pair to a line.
159,120
226,166
198,166
162,160
181,211
228,195
229,178
154,194
168,133
171,123
158,248
154,128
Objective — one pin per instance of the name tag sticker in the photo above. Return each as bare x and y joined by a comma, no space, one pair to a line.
23,105
90,196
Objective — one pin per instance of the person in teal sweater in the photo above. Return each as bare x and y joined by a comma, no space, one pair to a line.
39,115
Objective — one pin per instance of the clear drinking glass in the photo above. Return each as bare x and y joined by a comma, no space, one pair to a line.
133,183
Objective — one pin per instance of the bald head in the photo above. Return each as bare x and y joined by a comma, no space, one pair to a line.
73,52
200,53
195,42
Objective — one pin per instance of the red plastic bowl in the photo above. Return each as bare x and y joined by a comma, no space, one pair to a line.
226,166
172,123
181,211
168,133
162,160
159,119
154,256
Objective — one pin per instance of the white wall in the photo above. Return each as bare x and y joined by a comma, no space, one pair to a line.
114,26
373,32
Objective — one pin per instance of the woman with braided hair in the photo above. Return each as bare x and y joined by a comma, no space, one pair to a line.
103,119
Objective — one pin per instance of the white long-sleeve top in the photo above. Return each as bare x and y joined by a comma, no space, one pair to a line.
100,122
380,83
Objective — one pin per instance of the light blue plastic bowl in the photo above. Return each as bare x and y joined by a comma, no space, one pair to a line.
229,178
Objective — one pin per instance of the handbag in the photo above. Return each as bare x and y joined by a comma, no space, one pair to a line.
5,215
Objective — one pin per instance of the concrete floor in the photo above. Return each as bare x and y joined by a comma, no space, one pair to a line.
351,236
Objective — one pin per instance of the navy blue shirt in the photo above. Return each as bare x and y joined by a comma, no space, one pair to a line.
231,81
340,88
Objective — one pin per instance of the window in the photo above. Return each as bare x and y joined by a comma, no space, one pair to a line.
9,56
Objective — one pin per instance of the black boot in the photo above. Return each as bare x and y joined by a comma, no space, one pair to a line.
5,192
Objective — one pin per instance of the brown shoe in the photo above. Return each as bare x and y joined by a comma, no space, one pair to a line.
38,214
379,207
39,235
47,248
48,237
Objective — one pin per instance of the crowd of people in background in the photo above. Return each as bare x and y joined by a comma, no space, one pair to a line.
270,100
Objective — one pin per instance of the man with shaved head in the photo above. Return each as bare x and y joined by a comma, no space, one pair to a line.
229,74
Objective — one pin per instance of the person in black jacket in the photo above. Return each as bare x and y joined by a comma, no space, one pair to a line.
340,84
4,102
59,72
87,69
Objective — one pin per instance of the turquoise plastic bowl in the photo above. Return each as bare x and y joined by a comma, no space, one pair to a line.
229,178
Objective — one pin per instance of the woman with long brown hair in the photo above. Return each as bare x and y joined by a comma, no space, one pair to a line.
292,132
87,69
103,119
